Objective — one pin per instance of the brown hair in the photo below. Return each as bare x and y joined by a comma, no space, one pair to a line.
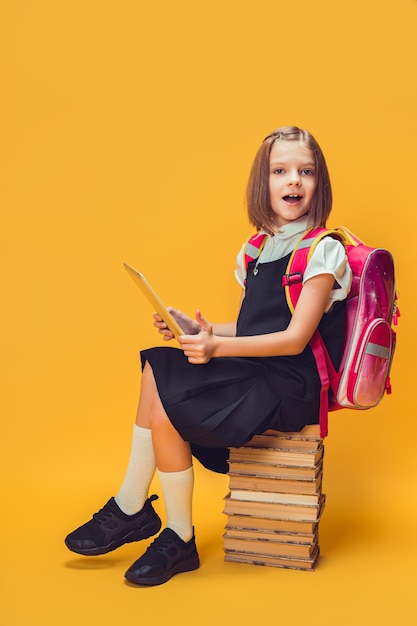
257,194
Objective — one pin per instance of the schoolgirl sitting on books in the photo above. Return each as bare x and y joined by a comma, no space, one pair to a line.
227,382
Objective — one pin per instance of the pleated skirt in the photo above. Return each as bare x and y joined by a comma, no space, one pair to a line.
224,402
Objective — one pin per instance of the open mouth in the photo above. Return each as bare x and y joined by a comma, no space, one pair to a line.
292,199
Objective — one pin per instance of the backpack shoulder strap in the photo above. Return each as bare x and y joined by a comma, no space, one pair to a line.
293,283
292,280
347,237
253,247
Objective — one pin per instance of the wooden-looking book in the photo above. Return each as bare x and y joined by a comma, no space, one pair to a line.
308,432
277,457
299,499
274,510
269,548
264,468
251,522
283,443
272,535
275,484
274,561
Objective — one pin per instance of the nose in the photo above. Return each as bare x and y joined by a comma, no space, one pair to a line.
294,177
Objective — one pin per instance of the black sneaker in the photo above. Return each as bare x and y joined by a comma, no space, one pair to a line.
110,528
167,555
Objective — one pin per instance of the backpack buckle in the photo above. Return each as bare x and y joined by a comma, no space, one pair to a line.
291,279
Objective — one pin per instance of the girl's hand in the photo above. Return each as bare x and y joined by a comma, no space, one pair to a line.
188,325
199,348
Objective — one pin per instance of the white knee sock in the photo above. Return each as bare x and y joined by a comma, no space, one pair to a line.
139,474
177,488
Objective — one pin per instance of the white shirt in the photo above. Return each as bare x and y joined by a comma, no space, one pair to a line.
329,257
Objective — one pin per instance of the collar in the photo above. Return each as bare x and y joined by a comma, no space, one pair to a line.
296,227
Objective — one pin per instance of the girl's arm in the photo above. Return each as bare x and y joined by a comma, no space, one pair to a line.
307,315
227,329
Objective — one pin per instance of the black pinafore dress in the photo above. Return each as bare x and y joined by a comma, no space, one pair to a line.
224,402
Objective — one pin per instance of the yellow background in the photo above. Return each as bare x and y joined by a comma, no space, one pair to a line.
127,133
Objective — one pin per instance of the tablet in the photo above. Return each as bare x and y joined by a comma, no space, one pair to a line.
156,302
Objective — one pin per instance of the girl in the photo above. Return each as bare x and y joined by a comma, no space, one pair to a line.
230,381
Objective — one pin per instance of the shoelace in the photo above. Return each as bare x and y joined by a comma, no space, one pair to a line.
102,515
159,545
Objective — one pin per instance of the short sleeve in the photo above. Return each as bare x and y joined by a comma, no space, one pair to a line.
329,257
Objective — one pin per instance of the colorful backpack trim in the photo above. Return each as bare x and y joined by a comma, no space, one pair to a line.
364,373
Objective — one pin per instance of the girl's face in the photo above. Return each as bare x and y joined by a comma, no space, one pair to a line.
292,180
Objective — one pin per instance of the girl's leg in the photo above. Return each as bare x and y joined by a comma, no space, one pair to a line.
176,475
172,453
140,471
130,516
142,464
152,431
177,488
174,550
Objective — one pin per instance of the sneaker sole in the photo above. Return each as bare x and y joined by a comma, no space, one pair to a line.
185,566
135,535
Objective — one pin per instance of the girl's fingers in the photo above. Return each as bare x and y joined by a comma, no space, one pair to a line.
205,325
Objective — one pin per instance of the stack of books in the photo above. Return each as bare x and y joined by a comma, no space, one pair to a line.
275,501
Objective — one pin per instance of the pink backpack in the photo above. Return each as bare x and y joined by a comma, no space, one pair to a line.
371,309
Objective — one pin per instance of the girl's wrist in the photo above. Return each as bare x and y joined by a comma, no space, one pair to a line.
218,346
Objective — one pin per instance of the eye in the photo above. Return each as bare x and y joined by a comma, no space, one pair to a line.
278,170
307,171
